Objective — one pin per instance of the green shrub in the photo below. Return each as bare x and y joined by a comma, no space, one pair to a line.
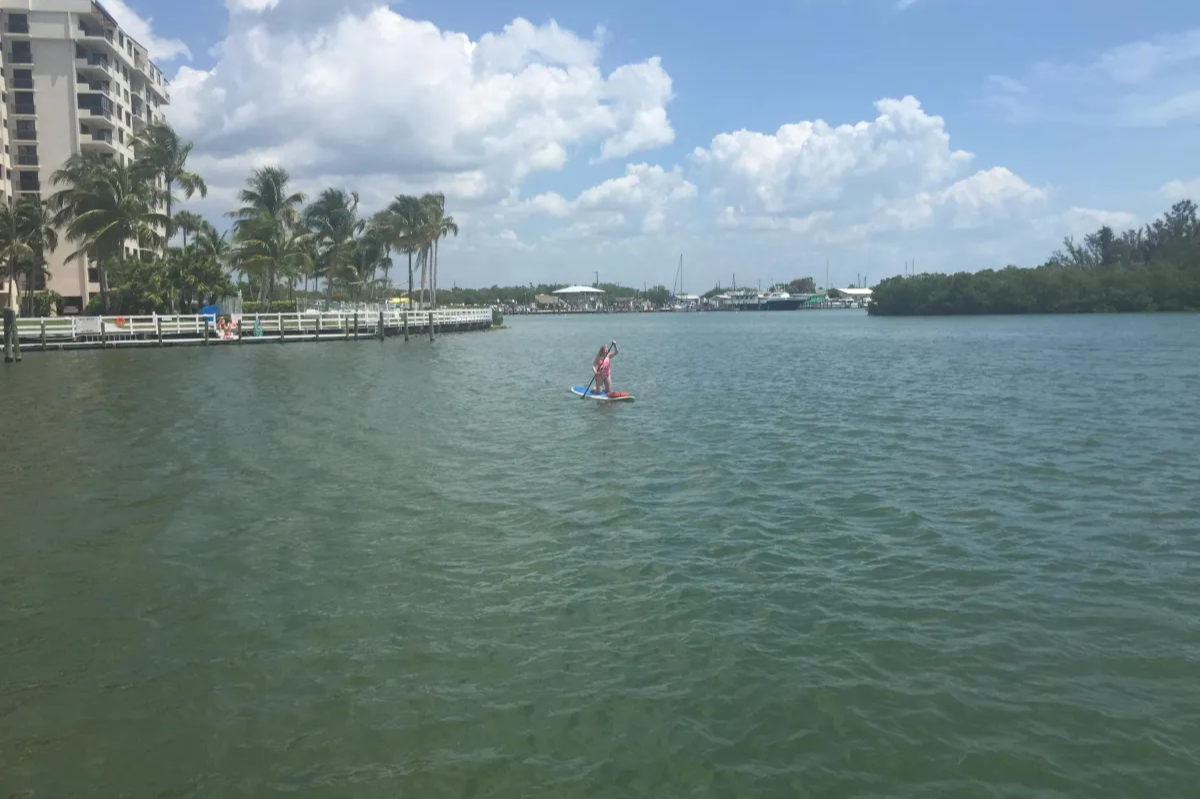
43,301
497,318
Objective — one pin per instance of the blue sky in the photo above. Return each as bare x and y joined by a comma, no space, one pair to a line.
759,138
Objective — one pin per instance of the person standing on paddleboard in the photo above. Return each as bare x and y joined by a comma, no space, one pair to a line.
601,367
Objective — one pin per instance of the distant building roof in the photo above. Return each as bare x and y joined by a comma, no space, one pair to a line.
546,299
579,290
855,292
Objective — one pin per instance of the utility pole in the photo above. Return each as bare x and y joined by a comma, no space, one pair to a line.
597,283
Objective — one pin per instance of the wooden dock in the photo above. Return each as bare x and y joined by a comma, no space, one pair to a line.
108,332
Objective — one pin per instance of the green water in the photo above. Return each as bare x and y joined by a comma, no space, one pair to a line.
820,556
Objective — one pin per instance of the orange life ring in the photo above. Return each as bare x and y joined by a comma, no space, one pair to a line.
120,321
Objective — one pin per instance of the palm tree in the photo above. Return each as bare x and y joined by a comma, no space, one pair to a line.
186,222
212,244
402,222
437,226
272,250
37,226
105,205
333,220
368,254
15,250
161,153
266,195
381,224
264,225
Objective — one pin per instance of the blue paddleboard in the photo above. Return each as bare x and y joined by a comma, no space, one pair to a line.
581,391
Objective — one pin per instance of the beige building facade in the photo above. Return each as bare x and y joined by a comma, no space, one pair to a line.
73,82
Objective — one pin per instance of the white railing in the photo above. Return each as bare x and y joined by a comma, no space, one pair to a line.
153,328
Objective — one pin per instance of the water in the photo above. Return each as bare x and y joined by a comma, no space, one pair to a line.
820,556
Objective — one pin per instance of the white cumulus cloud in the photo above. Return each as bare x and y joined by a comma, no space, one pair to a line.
380,96
251,6
897,172
640,201
1181,190
359,96
141,29
807,166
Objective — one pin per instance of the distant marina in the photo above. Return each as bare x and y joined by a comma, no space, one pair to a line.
590,300
593,299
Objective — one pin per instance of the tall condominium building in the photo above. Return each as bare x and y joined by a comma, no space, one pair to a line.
73,82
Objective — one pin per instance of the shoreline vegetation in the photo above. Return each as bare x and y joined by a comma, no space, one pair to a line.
1152,268
119,217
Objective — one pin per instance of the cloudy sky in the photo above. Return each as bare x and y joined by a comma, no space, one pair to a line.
761,138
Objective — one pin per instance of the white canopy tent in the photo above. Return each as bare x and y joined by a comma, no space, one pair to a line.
579,295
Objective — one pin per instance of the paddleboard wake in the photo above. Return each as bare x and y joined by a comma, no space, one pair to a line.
616,396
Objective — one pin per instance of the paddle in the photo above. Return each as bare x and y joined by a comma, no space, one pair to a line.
588,390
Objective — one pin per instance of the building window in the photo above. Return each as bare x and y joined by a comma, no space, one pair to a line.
27,155
121,135
22,53
22,78
93,274
26,129
18,23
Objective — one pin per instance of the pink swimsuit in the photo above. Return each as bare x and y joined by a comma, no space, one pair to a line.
603,368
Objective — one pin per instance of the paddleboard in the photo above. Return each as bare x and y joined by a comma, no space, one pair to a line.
618,396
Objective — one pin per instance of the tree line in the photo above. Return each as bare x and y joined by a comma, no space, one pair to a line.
1152,268
118,216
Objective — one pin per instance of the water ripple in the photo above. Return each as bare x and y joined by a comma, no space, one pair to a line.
821,555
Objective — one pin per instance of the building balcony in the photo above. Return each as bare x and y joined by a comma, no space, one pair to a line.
27,160
100,117
94,87
26,184
100,141
25,132
160,89
94,33
20,58
94,64
22,83
17,27
23,110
